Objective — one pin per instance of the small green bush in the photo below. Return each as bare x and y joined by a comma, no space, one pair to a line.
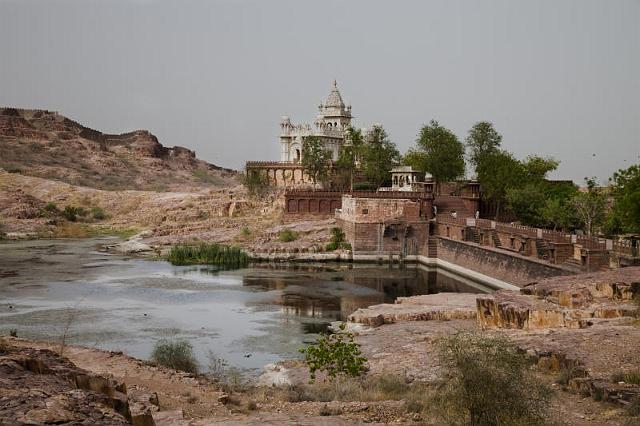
70,213
98,213
245,232
288,235
332,246
175,354
51,208
365,186
337,240
335,354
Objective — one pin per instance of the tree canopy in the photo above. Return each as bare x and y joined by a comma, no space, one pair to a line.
378,156
315,159
439,152
349,158
625,189
482,140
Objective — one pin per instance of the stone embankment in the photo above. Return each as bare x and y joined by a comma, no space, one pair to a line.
440,306
572,301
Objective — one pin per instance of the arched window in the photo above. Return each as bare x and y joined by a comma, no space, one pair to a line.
297,155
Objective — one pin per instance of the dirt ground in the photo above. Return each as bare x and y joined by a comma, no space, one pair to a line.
405,348
222,215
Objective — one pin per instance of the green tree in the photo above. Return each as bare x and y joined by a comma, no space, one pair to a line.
528,196
556,214
379,155
536,168
349,157
438,152
526,203
590,206
316,159
498,172
625,189
482,139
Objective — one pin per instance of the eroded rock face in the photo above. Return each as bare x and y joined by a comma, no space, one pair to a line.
440,306
562,301
40,387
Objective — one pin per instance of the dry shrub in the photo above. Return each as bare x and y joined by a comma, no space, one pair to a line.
488,382
176,354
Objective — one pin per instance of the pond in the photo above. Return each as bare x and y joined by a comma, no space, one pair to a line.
249,317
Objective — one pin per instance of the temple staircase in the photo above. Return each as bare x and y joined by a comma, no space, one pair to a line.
542,249
496,239
432,247
472,235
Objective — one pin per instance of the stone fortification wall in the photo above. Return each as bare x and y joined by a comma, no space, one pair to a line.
318,204
383,223
509,267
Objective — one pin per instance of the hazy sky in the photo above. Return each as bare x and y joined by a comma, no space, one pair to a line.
559,78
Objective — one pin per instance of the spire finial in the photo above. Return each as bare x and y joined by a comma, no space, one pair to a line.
335,83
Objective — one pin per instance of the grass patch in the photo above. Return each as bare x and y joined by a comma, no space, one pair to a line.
205,177
208,254
98,213
632,377
124,233
288,235
176,354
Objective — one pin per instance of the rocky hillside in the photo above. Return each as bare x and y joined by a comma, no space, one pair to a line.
49,145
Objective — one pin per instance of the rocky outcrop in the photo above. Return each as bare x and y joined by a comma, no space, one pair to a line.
41,387
572,301
47,144
440,306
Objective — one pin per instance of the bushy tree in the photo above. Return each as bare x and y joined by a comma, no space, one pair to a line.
489,382
348,159
482,140
498,172
315,159
529,194
537,168
526,203
379,156
439,152
625,189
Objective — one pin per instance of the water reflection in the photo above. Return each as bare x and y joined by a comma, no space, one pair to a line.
127,304
335,291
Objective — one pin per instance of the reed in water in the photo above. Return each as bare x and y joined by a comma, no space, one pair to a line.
227,257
